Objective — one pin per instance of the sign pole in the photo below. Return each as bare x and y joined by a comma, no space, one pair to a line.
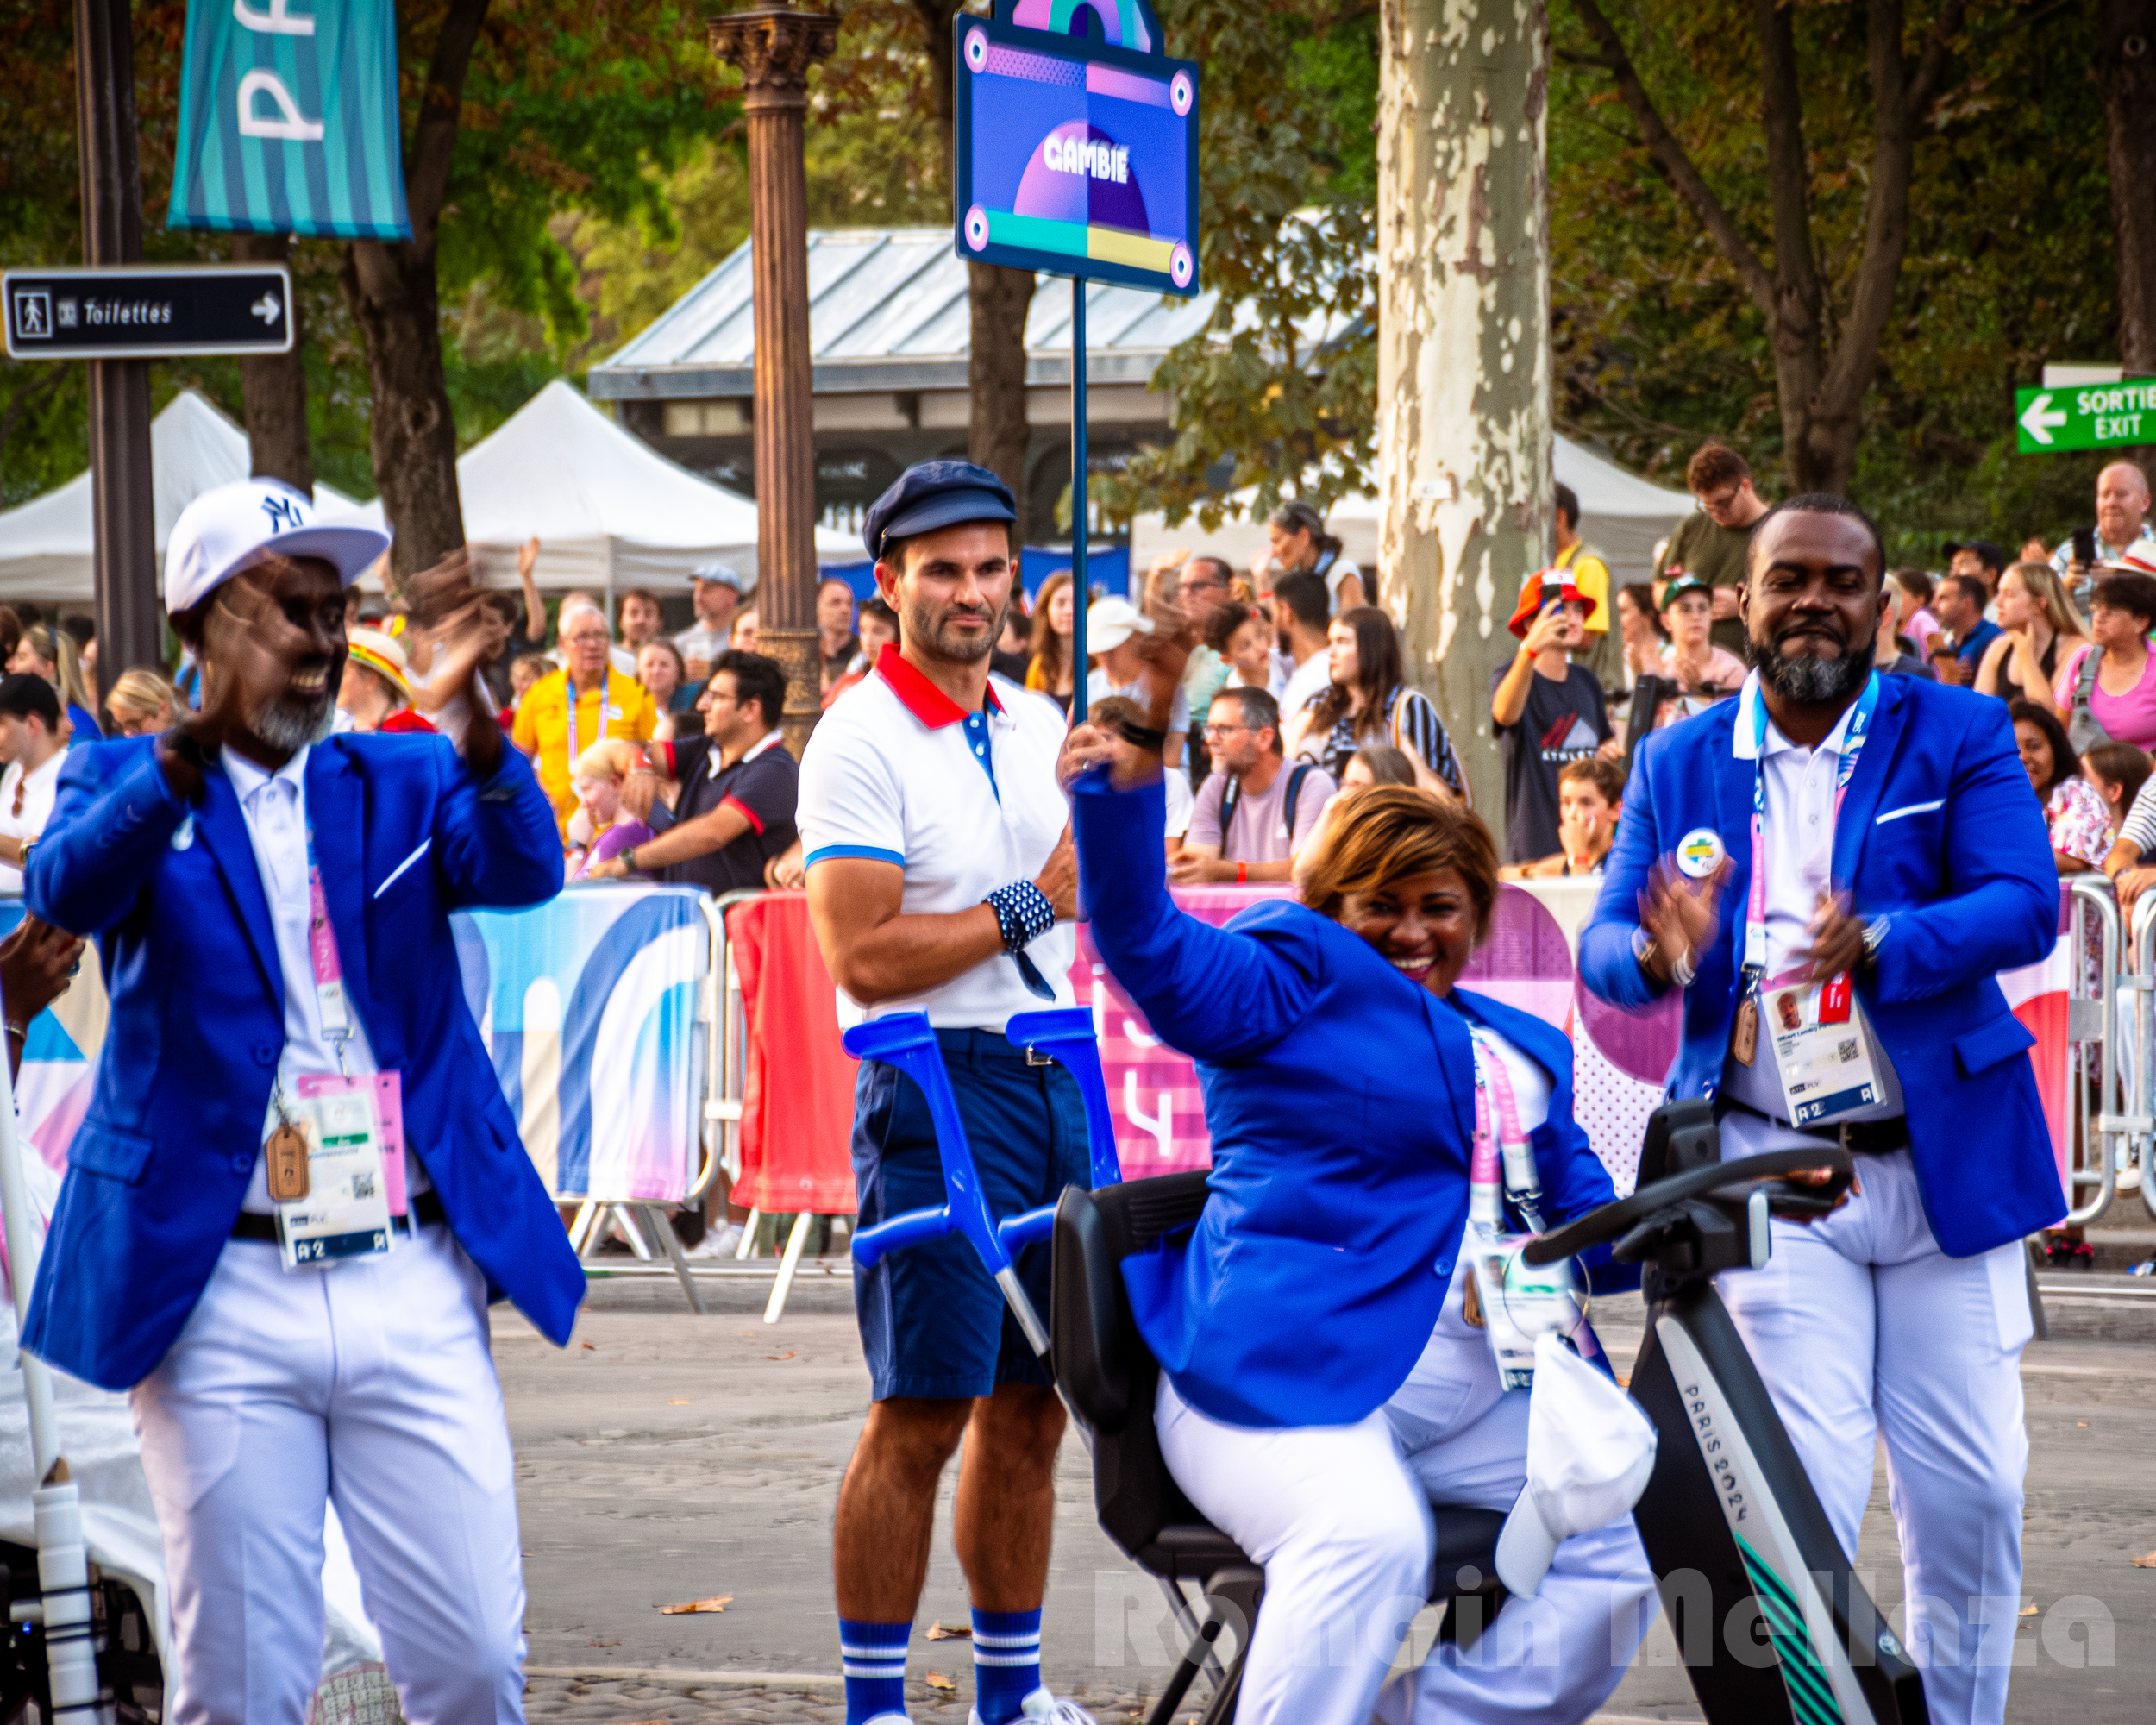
130,622
1080,594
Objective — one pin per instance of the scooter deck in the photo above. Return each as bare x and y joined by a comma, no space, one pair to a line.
1769,1622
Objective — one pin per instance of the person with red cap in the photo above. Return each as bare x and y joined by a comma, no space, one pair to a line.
1546,710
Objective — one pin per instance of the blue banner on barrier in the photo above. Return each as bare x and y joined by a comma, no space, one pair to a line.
288,121
587,1004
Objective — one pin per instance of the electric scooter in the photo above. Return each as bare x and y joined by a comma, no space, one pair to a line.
1772,1624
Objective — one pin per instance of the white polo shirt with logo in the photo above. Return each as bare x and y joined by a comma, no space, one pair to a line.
897,772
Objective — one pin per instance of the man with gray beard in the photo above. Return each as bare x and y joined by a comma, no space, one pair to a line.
297,1185
1833,868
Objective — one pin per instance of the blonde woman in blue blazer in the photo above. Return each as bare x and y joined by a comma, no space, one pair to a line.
1320,1387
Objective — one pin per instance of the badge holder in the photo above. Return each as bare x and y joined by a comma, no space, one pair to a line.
1822,1047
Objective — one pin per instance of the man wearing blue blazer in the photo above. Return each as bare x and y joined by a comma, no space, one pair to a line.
1833,867
298,1185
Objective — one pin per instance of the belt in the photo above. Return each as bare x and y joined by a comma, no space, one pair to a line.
982,1044
1858,1138
427,1207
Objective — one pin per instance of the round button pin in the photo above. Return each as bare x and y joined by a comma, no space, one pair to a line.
1700,853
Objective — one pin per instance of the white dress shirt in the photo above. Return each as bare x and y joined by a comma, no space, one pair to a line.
274,805
1798,849
37,790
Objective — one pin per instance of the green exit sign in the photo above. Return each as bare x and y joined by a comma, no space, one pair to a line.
2101,416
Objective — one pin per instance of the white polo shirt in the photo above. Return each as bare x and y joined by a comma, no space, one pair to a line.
897,771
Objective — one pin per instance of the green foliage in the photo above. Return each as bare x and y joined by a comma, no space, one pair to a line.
1278,390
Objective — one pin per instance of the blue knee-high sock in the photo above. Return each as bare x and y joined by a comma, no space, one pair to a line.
873,1656
1007,1662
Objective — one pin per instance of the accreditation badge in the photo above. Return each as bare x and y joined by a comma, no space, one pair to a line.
1513,1302
353,1182
1822,1047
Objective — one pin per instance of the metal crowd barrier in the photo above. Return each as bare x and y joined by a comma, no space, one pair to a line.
2111,1087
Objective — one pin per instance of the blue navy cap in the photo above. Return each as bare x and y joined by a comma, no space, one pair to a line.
933,494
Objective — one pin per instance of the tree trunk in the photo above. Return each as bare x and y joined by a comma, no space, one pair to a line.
2125,73
392,290
996,433
1465,453
273,386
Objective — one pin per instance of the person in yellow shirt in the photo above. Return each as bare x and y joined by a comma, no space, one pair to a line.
569,710
1602,653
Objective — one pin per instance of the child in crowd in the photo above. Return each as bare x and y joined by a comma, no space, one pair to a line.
1590,797
598,828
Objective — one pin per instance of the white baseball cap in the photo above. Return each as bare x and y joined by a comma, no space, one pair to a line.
1110,622
1589,1453
725,575
227,529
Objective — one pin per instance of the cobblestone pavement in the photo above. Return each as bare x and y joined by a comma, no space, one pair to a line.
662,1457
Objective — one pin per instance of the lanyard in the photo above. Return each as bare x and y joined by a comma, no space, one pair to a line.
1858,729
1487,1184
568,683
322,954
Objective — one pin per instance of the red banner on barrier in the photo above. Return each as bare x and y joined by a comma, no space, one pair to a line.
797,1112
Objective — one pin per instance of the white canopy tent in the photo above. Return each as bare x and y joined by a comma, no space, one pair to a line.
1622,516
609,511
46,546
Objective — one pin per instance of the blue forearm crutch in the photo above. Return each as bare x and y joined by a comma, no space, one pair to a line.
907,1041
1064,1035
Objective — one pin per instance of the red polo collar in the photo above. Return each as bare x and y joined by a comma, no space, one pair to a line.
920,697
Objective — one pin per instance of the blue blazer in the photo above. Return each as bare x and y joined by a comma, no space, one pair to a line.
1340,1099
1939,832
161,1163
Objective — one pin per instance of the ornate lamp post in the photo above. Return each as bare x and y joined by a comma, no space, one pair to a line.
774,45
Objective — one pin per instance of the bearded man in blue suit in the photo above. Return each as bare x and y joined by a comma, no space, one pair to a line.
1833,868
271,905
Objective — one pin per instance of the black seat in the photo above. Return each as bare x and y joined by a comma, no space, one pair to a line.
1108,1376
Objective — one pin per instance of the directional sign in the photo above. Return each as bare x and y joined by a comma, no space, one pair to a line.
2101,416
147,312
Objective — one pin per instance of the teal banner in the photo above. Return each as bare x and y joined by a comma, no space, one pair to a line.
288,120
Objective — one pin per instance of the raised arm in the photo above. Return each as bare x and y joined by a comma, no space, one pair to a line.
495,843
113,815
1214,995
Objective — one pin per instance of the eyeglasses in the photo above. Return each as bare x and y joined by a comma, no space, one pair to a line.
1212,730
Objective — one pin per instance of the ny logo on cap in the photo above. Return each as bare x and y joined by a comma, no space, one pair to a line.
284,512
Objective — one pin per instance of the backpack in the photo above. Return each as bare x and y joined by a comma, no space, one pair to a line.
2084,730
1231,799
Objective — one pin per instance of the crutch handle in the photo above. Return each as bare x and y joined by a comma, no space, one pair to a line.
1065,1035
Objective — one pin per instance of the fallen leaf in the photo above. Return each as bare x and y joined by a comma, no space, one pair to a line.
602,1644
937,1632
788,1354
2083,1424
588,1346
677,1401
937,1680
2030,1609
717,1602
2148,1562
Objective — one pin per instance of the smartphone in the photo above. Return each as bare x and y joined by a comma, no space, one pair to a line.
2084,546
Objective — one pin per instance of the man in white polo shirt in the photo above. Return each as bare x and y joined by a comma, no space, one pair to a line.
940,880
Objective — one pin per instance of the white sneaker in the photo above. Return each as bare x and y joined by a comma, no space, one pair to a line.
719,1243
1050,1710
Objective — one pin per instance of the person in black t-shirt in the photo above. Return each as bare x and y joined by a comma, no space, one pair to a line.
1546,710
735,811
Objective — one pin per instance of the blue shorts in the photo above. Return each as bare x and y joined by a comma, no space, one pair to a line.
932,1323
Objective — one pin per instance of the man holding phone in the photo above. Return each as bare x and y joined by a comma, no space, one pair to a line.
2122,525
1547,711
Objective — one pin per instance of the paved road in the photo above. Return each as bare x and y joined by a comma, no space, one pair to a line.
664,1458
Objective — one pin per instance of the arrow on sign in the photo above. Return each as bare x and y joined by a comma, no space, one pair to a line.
267,309
2040,419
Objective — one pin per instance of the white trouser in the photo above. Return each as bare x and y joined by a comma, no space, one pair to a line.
1341,1521
1863,1329
371,1384
1550,1659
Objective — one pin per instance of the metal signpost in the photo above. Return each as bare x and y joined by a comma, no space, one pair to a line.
1076,155
2058,419
147,312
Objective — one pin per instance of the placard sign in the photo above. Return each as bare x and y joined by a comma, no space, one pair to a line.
1077,143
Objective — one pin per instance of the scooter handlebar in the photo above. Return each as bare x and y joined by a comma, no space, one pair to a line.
1613,1220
